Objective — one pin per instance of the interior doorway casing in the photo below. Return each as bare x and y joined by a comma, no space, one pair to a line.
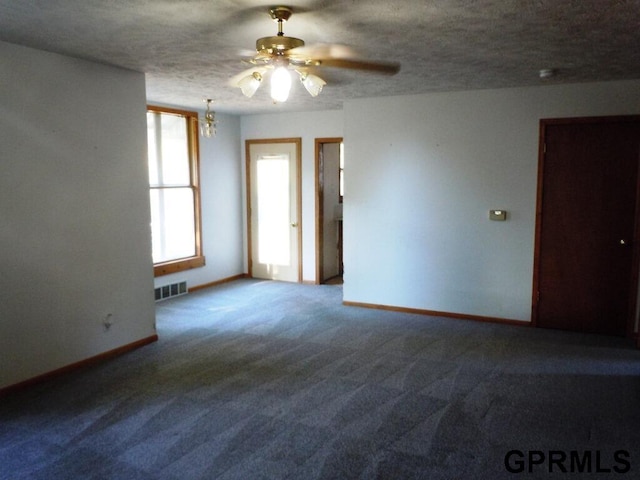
319,199
630,286
298,196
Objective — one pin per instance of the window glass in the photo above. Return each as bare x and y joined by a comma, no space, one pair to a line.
169,149
173,232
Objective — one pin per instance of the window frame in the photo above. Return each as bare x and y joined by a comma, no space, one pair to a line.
197,260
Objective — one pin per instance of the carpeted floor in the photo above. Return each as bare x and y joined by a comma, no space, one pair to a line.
263,380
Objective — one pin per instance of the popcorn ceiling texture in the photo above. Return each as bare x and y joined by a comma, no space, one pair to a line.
190,48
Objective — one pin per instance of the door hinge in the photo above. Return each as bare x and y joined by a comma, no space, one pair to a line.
544,148
538,296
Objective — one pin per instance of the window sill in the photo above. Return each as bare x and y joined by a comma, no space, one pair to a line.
175,266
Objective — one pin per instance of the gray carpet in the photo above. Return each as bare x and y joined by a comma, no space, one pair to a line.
265,380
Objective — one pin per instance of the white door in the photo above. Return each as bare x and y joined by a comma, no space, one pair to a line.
274,211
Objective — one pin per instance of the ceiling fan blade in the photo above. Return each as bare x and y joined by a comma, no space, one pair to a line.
246,53
340,56
386,68
321,51
233,81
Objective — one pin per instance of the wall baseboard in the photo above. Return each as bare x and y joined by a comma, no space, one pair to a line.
219,282
434,313
116,352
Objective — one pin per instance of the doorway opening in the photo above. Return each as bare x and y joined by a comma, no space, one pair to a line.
329,174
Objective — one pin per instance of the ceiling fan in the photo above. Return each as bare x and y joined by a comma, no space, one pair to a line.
277,56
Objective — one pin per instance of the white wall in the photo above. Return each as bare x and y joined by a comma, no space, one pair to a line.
308,126
221,183
422,172
74,212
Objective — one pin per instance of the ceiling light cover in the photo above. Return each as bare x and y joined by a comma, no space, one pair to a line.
280,84
312,83
250,84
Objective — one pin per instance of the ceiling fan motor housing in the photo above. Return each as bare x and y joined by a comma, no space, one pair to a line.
277,44
280,14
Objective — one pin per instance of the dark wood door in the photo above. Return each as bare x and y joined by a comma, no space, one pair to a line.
587,224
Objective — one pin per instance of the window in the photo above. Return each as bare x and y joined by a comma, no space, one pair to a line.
174,190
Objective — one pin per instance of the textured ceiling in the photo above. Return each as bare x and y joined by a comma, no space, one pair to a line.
190,48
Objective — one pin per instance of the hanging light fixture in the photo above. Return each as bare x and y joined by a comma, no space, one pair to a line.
277,56
208,123
274,61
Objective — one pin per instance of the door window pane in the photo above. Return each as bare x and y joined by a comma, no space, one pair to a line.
274,217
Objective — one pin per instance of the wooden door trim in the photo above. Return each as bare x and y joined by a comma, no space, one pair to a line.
298,144
635,268
319,199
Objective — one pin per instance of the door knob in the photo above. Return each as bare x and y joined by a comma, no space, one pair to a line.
623,242
294,224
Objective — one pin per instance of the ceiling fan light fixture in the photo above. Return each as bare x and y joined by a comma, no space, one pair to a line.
250,84
280,84
276,55
312,83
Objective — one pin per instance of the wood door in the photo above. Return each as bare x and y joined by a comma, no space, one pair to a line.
587,204
273,197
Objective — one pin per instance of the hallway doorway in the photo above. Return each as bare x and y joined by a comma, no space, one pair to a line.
329,170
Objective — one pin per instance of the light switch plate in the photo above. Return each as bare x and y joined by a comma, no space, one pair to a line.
498,215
